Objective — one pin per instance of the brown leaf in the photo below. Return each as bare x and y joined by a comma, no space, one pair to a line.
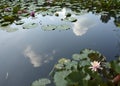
116,80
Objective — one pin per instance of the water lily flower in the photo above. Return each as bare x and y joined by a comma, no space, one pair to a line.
7,9
32,14
95,66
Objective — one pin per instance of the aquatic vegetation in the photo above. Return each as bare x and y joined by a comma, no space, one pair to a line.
89,68
55,27
29,25
16,9
41,82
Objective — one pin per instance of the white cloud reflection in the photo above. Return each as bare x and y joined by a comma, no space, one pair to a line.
35,59
82,25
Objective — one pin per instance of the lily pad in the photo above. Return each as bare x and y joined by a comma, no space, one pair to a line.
63,27
59,78
49,27
2,20
5,23
30,25
9,29
55,27
41,82
71,19
68,14
19,22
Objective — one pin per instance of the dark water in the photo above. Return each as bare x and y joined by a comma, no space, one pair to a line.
29,54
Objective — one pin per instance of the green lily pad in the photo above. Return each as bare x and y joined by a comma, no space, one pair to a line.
79,57
59,78
48,27
30,25
41,82
68,14
5,23
2,20
19,22
63,27
24,14
93,55
71,19
9,29
55,27
116,66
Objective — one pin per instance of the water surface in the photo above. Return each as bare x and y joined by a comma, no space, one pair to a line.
29,54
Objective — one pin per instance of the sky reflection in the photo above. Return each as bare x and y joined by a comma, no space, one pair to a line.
83,24
36,59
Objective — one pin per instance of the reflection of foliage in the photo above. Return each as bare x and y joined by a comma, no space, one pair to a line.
77,72
117,21
105,18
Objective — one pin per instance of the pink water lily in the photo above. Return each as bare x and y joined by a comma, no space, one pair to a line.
32,14
95,66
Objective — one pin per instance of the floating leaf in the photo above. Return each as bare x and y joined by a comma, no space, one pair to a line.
116,66
75,78
30,25
84,63
59,78
59,66
19,22
79,56
63,27
9,29
71,65
63,61
93,55
41,82
5,23
71,19
48,27
55,27
68,14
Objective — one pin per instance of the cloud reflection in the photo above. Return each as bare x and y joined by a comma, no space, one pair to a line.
37,60
82,25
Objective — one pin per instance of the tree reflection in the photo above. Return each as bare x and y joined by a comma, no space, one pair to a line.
117,21
105,18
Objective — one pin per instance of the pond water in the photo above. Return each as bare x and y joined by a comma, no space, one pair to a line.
29,54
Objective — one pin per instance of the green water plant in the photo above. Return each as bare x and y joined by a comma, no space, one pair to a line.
89,68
